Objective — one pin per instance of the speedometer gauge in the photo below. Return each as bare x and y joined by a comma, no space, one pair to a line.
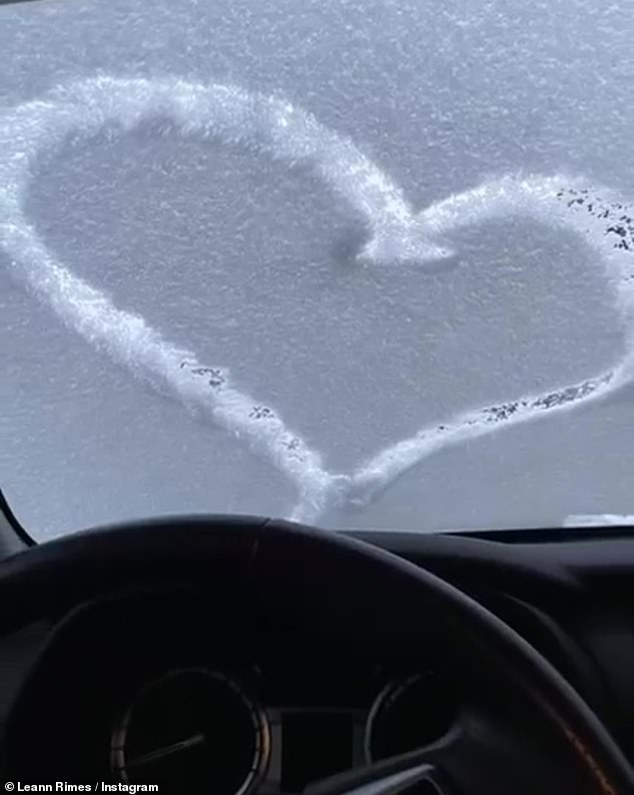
195,732
408,714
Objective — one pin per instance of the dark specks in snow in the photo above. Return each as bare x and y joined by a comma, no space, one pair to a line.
214,374
216,378
260,412
548,401
623,230
503,412
294,447
571,393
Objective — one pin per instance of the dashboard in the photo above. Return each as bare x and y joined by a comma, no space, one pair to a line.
275,738
181,683
160,688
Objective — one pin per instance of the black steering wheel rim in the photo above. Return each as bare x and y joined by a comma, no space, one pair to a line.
328,569
468,622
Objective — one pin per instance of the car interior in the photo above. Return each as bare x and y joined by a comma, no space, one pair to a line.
241,655
237,654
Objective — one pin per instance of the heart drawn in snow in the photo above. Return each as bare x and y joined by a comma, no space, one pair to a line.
397,235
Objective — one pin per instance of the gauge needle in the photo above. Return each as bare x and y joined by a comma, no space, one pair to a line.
167,750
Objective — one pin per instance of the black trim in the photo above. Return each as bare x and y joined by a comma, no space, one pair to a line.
7,513
550,535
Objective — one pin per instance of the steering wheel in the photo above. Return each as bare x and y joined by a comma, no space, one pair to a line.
542,739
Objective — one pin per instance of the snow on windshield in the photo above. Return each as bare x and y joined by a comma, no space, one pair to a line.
363,265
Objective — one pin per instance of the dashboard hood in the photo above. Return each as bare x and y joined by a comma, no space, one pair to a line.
16,538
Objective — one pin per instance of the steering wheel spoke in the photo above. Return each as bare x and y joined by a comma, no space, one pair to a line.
414,773
479,755
486,754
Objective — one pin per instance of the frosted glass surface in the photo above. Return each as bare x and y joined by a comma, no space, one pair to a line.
364,264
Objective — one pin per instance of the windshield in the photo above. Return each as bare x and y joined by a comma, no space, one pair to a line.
365,264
